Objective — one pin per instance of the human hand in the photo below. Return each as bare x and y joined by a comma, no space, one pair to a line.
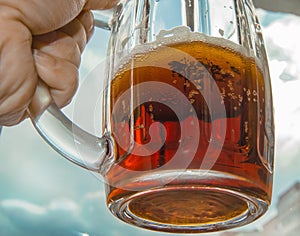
41,40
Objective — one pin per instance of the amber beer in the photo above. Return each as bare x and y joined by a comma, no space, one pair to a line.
240,168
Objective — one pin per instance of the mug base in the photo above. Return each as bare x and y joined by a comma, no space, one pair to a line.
190,202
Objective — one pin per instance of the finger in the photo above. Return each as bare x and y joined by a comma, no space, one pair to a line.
100,5
69,41
59,74
42,16
14,117
80,29
86,18
17,72
60,45
48,15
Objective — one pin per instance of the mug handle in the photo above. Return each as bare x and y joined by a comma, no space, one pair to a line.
62,134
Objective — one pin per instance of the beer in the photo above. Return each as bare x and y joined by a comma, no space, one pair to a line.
187,194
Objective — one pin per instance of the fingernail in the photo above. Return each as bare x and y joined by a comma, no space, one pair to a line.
87,18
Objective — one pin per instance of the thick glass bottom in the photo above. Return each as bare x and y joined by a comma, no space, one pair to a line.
192,206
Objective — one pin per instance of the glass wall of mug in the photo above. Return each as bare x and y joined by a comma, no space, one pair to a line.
189,108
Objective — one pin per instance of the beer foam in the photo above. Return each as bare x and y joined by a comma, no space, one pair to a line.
183,34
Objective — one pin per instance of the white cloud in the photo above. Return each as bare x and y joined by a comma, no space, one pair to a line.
25,218
63,205
95,195
62,217
282,37
27,206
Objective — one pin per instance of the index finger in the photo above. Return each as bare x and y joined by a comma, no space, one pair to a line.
44,16
100,5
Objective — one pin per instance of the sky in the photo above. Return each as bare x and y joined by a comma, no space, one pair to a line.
44,194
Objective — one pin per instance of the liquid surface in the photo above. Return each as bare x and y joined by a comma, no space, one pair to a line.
187,207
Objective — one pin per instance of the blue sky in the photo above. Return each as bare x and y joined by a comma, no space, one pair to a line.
43,194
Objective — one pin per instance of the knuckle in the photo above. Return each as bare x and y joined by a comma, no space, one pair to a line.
58,44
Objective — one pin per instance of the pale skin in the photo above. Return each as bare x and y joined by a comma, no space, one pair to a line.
41,40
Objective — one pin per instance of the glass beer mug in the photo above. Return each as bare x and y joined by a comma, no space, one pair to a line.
188,134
